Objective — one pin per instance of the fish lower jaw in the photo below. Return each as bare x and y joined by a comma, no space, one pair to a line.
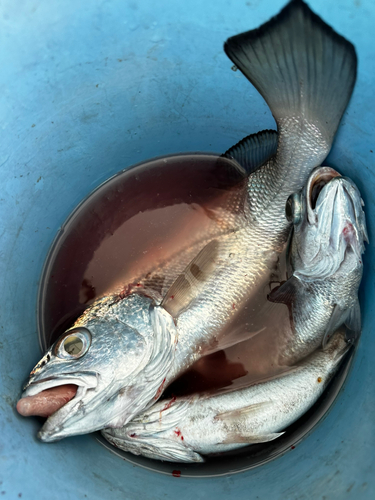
52,431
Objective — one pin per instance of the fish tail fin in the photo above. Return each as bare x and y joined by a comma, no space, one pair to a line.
304,70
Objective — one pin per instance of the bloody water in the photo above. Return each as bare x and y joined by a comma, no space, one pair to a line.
143,226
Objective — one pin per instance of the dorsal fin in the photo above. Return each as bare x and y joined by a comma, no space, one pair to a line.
189,283
254,150
306,73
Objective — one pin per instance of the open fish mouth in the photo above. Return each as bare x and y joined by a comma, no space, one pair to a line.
315,184
55,396
88,380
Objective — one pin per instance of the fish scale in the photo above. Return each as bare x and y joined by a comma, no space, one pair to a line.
187,428
306,73
183,428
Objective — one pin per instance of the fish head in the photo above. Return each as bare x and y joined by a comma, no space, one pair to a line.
329,225
105,357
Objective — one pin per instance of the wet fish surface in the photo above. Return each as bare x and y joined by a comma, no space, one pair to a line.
325,265
184,429
126,347
329,235
326,258
306,73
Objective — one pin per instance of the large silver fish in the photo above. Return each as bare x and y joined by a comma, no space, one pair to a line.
325,269
306,73
326,260
183,430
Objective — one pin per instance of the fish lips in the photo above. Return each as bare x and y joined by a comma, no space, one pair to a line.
53,428
319,177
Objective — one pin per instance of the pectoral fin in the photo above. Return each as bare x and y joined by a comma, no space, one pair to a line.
233,420
189,283
338,318
286,293
232,416
236,437
353,321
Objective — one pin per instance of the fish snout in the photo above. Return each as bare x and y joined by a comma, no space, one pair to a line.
37,368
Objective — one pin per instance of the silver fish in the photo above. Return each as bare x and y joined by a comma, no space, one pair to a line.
117,354
326,261
306,73
183,430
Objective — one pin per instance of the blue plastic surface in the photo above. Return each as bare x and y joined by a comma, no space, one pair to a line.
89,88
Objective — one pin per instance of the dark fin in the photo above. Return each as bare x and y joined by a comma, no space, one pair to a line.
238,437
254,150
337,319
189,283
353,321
285,293
228,173
304,70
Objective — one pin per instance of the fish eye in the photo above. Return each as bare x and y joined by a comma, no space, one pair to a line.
293,208
74,344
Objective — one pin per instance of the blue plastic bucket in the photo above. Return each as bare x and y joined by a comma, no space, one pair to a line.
89,88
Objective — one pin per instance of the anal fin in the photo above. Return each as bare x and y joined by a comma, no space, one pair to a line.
236,437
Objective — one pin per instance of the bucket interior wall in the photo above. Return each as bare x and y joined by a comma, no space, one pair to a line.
90,88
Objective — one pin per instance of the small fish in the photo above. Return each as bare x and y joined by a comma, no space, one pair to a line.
184,429
125,349
326,260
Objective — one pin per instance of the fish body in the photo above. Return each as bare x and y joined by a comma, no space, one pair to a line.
326,259
306,73
184,429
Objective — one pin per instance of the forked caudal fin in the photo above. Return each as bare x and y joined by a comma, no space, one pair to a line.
304,70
